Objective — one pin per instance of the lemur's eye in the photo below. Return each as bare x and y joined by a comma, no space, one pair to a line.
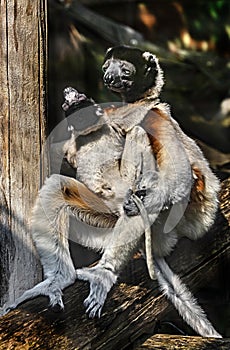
126,72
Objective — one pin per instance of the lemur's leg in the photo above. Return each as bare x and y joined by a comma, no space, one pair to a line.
60,197
138,168
49,287
50,234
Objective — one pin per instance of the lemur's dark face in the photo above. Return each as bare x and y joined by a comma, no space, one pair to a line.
129,72
119,75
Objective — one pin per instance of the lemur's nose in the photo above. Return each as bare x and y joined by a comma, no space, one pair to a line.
110,78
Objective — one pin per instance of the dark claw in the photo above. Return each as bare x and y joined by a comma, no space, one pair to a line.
56,308
94,310
86,303
8,309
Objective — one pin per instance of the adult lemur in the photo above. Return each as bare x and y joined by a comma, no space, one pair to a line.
137,148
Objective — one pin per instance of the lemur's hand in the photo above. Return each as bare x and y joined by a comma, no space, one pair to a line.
129,205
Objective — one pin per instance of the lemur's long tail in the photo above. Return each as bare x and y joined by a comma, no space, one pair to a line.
183,300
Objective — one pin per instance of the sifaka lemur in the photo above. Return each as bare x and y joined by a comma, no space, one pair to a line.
124,155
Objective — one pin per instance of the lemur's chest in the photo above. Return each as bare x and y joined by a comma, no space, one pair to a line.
99,154
98,165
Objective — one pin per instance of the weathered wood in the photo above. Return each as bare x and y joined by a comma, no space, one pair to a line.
22,111
171,342
225,200
132,307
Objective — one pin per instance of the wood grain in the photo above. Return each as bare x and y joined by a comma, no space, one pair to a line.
170,342
22,134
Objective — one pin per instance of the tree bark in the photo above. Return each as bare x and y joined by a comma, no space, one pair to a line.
132,308
171,342
22,134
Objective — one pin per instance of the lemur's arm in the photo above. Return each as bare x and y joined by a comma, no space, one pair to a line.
74,101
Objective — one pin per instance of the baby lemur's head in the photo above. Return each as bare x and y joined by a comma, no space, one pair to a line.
132,73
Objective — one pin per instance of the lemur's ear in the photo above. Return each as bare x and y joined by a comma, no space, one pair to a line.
108,50
149,57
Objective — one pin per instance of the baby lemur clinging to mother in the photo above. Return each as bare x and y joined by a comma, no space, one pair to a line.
133,151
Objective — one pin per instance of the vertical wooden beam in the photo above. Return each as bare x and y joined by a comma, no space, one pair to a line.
22,133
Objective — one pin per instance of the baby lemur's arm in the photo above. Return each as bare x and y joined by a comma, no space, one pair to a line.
83,116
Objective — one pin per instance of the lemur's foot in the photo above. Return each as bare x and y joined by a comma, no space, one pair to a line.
101,281
7,308
129,205
56,302
72,98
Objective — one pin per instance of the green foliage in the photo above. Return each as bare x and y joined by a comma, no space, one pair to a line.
216,7
208,20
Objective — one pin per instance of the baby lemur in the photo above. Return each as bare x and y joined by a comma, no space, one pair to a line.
135,150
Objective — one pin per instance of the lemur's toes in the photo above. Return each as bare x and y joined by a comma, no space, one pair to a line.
6,309
95,311
101,280
56,308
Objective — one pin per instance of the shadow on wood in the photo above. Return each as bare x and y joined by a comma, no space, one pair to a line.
132,307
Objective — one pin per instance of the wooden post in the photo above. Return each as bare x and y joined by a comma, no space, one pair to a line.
22,134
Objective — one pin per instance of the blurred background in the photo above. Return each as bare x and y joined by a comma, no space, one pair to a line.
192,40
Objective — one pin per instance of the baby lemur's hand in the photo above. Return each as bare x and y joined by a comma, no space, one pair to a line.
73,100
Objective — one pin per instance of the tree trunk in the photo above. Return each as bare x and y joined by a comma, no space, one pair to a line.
22,118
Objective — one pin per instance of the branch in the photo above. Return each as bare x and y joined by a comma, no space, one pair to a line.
104,27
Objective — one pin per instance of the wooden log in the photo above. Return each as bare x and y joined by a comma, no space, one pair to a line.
22,133
132,307
171,342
